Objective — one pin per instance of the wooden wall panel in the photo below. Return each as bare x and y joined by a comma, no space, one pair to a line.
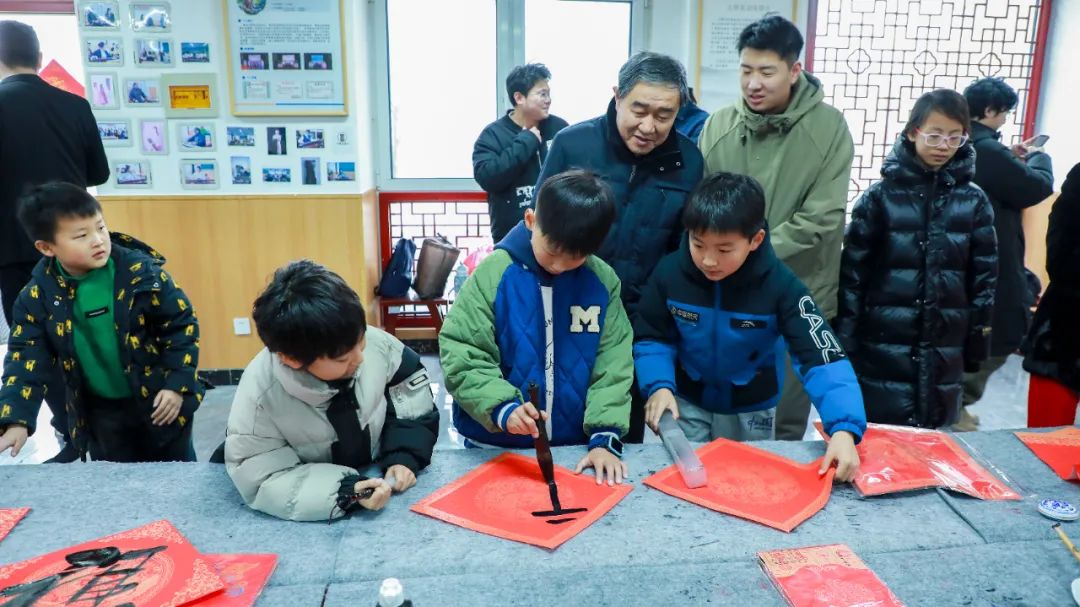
223,249
1036,221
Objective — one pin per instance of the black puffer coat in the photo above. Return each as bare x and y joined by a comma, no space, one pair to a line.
1053,344
917,282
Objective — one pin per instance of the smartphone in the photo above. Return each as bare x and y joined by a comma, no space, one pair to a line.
1037,141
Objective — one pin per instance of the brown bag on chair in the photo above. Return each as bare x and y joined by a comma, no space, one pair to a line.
437,259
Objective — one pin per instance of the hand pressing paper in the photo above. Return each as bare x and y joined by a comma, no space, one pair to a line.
500,496
825,576
9,517
1059,449
753,484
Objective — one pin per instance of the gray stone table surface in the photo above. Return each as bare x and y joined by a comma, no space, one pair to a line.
930,547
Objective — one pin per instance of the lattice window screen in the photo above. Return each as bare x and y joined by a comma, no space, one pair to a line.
876,57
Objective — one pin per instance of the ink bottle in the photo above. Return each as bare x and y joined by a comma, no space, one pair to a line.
391,594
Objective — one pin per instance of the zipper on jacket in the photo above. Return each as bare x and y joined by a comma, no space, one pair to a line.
633,172
716,335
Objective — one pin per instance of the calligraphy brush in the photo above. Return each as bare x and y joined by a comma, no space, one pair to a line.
547,465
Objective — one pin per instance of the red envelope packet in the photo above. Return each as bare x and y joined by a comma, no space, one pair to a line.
825,576
499,497
753,484
900,458
244,575
9,517
150,566
1059,449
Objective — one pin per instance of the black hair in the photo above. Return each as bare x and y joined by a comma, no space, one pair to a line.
655,69
43,206
19,45
726,202
773,33
524,77
308,312
989,94
943,101
574,211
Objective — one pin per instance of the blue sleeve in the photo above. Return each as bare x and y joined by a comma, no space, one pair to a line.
835,392
654,363
655,352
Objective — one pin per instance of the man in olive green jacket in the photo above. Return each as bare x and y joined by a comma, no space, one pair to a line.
799,148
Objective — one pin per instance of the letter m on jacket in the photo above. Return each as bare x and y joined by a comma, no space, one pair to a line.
580,318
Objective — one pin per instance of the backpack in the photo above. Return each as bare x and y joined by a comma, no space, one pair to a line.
398,274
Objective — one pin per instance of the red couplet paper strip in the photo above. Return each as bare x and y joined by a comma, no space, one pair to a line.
898,458
753,484
826,576
150,566
1059,449
9,517
244,575
499,497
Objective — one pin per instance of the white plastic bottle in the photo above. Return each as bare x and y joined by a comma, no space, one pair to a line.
392,594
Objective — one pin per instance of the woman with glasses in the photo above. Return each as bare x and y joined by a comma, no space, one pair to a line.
918,271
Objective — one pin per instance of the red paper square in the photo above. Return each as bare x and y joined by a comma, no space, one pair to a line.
826,576
899,458
244,576
499,497
9,517
170,573
1059,449
753,484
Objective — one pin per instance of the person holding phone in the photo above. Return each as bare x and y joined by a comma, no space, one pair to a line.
1014,178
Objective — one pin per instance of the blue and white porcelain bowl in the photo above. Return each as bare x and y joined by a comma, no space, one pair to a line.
1058,510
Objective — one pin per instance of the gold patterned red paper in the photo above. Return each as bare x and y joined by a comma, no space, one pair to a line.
1059,449
9,517
244,575
826,576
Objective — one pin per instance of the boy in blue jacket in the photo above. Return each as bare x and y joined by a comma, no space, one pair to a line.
713,323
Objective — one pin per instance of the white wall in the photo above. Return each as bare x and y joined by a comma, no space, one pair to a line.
202,21
1058,116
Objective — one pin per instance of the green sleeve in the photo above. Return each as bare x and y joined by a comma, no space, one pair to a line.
607,403
467,349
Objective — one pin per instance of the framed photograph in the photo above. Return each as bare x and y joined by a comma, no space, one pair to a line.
190,95
132,174
142,91
254,61
241,169
309,171
114,133
276,143
240,136
318,61
277,175
102,91
341,171
309,138
153,136
195,52
286,61
154,52
198,173
104,51
150,17
99,15
196,137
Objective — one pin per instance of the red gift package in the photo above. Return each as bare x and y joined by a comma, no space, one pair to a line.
753,484
499,497
825,576
900,458
150,566
1059,449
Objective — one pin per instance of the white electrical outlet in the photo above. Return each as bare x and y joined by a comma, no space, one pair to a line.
342,138
241,326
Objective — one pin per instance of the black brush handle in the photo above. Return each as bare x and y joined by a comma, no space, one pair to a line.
543,447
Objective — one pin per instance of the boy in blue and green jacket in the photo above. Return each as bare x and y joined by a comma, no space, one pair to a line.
543,309
715,320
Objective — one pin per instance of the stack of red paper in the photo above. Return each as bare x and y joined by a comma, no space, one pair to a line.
753,484
9,517
152,566
1059,449
825,576
899,458
499,497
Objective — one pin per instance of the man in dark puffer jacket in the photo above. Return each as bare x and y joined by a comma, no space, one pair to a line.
918,272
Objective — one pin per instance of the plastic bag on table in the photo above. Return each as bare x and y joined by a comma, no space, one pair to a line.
473,259
901,458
